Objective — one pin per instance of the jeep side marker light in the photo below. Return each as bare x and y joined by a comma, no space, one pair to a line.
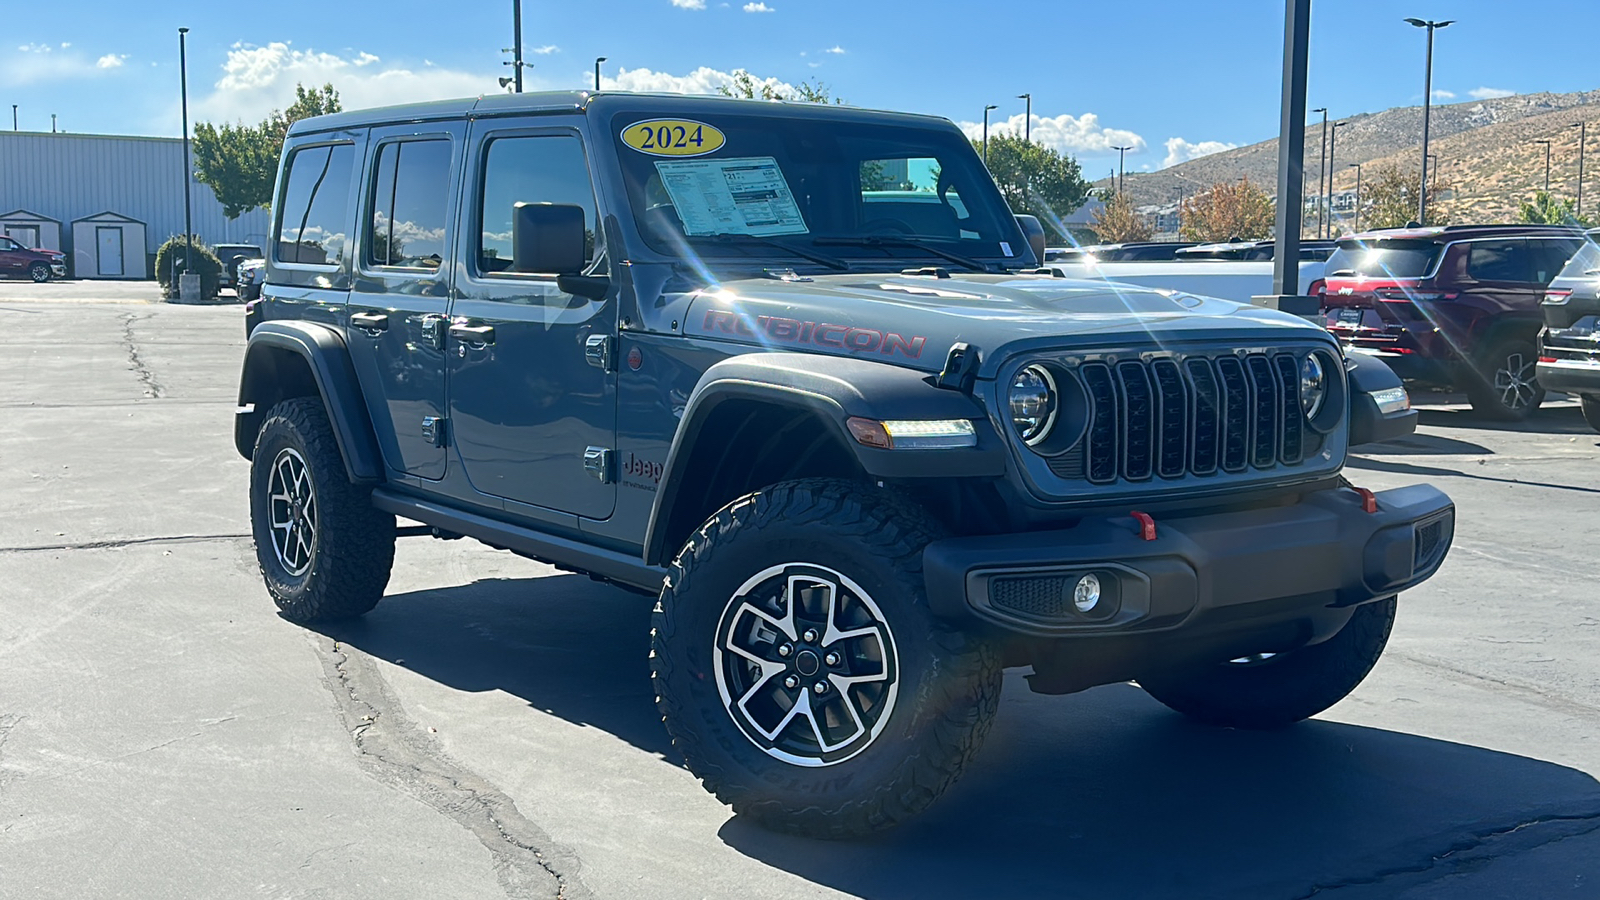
1391,400
914,434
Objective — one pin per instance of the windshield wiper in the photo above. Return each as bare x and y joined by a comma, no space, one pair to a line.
884,240
727,237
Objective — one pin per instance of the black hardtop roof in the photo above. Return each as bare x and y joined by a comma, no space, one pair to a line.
1458,232
597,103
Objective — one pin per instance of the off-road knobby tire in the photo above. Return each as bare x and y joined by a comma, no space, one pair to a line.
39,272
1286,688
949,680
1591,410
1486,399
353,549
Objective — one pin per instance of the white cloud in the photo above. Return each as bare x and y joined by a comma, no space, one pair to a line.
547,49
43,63
257,80
835,49
758,8
1444,95
65,44
689,4
110,61
704,80
1064,134
1489,93
1180,150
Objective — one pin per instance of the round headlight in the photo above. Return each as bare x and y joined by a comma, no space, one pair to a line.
1313,385
1032,399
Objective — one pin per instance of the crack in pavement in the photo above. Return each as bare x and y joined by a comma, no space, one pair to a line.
1463,851
115,543
152,388
397,752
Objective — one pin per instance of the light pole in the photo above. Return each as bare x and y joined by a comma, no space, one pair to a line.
1546,144
1427,106
52,123
597,61
516,42
1322,166
986,132
13,117
1357,167
183,82
1583,134
1122,152
1333,137
1027,118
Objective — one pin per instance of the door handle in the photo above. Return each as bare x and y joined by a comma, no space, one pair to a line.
370,321
472,334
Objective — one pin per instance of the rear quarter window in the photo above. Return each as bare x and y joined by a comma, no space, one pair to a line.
314,215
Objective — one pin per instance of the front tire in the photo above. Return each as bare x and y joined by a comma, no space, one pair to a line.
325,552
39,272
1505,383
1591,411
799,671
1277,690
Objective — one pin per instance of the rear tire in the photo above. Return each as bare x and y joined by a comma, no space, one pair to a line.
39,272
1283,688
325,552
1591,411
806,585
1504,384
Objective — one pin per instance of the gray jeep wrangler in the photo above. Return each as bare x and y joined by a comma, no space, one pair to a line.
793,371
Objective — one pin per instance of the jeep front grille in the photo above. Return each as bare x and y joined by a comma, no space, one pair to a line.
1170,418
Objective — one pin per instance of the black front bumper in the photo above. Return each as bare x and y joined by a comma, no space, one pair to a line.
1218,575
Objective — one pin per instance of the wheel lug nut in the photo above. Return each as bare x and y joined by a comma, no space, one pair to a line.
785,649
810,636
791,682
820,687
831,659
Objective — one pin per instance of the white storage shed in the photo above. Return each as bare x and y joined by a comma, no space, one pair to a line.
108,245
31,230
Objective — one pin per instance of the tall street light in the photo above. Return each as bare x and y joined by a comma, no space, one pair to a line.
597,61
1583,135
1546,144
1427,106
516,42
1333,137
1291,161
13,117
986,132
1322,165
1027,118
183,81
1357,167
1122,153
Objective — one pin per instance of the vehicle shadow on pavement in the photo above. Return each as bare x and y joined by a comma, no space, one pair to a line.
1422,444
1564,419
1108,794
1399,468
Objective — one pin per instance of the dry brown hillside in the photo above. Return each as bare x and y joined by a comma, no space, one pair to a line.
1483,147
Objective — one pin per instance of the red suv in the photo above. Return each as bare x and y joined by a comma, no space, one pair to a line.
39,265
1456,306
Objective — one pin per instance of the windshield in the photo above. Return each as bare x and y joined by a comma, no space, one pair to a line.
740,186
1382,259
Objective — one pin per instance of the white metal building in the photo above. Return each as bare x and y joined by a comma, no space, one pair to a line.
131,185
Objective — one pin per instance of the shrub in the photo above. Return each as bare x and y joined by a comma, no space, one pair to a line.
205,263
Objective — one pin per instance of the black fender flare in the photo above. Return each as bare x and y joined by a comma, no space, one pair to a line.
836,389
326,356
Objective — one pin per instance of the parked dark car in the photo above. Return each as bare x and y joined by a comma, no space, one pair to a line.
230,255
1314,250
38,265
1454,306
1130,251
1569,354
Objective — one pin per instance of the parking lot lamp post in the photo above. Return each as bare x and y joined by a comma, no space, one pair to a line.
1322,166
1427,106
1583,134
597,61
1122,152
13,117
516,42
1546,144
1333,137
1027,118
986,132
1287,217
183,87
1357,167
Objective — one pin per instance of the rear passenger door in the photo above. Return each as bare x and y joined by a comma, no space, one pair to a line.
1500,273
400,291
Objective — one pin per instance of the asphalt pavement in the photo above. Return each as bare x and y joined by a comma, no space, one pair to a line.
488,730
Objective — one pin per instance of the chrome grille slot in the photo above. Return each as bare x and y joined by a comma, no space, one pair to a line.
1292,447
1139,412
1206,413
1104,424
1173,419
1235,414
1263,412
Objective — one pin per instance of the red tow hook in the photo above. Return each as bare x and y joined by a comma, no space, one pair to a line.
1147,525
1369,500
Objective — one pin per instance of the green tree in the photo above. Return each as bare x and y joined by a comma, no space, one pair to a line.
1035,179
1389,200
239,162
1117,221
1545,210
745,87
1228,210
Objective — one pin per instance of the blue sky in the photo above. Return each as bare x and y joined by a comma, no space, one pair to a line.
1174,78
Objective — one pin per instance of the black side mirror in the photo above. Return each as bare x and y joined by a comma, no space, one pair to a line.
1033,230
547,238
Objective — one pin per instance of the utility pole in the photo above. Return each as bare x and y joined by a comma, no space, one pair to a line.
1427,107
1546,144
986,133
597,61
1121,153
1357,167
516,42
183,81
13,117
1583,135
1333,137
1322,166
1291,157
1027,118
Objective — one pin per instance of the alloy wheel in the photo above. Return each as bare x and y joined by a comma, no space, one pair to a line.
1515,383
292,512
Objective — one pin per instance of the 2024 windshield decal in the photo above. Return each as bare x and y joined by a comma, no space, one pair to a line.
821,334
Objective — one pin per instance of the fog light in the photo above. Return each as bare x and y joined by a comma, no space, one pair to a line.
1086,596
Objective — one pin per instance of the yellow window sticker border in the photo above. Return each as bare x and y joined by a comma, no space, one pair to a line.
673,137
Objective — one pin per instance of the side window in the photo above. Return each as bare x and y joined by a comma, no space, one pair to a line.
541,169
1549,257
1502,260
312,216
409,205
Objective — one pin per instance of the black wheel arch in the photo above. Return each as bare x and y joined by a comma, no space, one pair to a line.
306,359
